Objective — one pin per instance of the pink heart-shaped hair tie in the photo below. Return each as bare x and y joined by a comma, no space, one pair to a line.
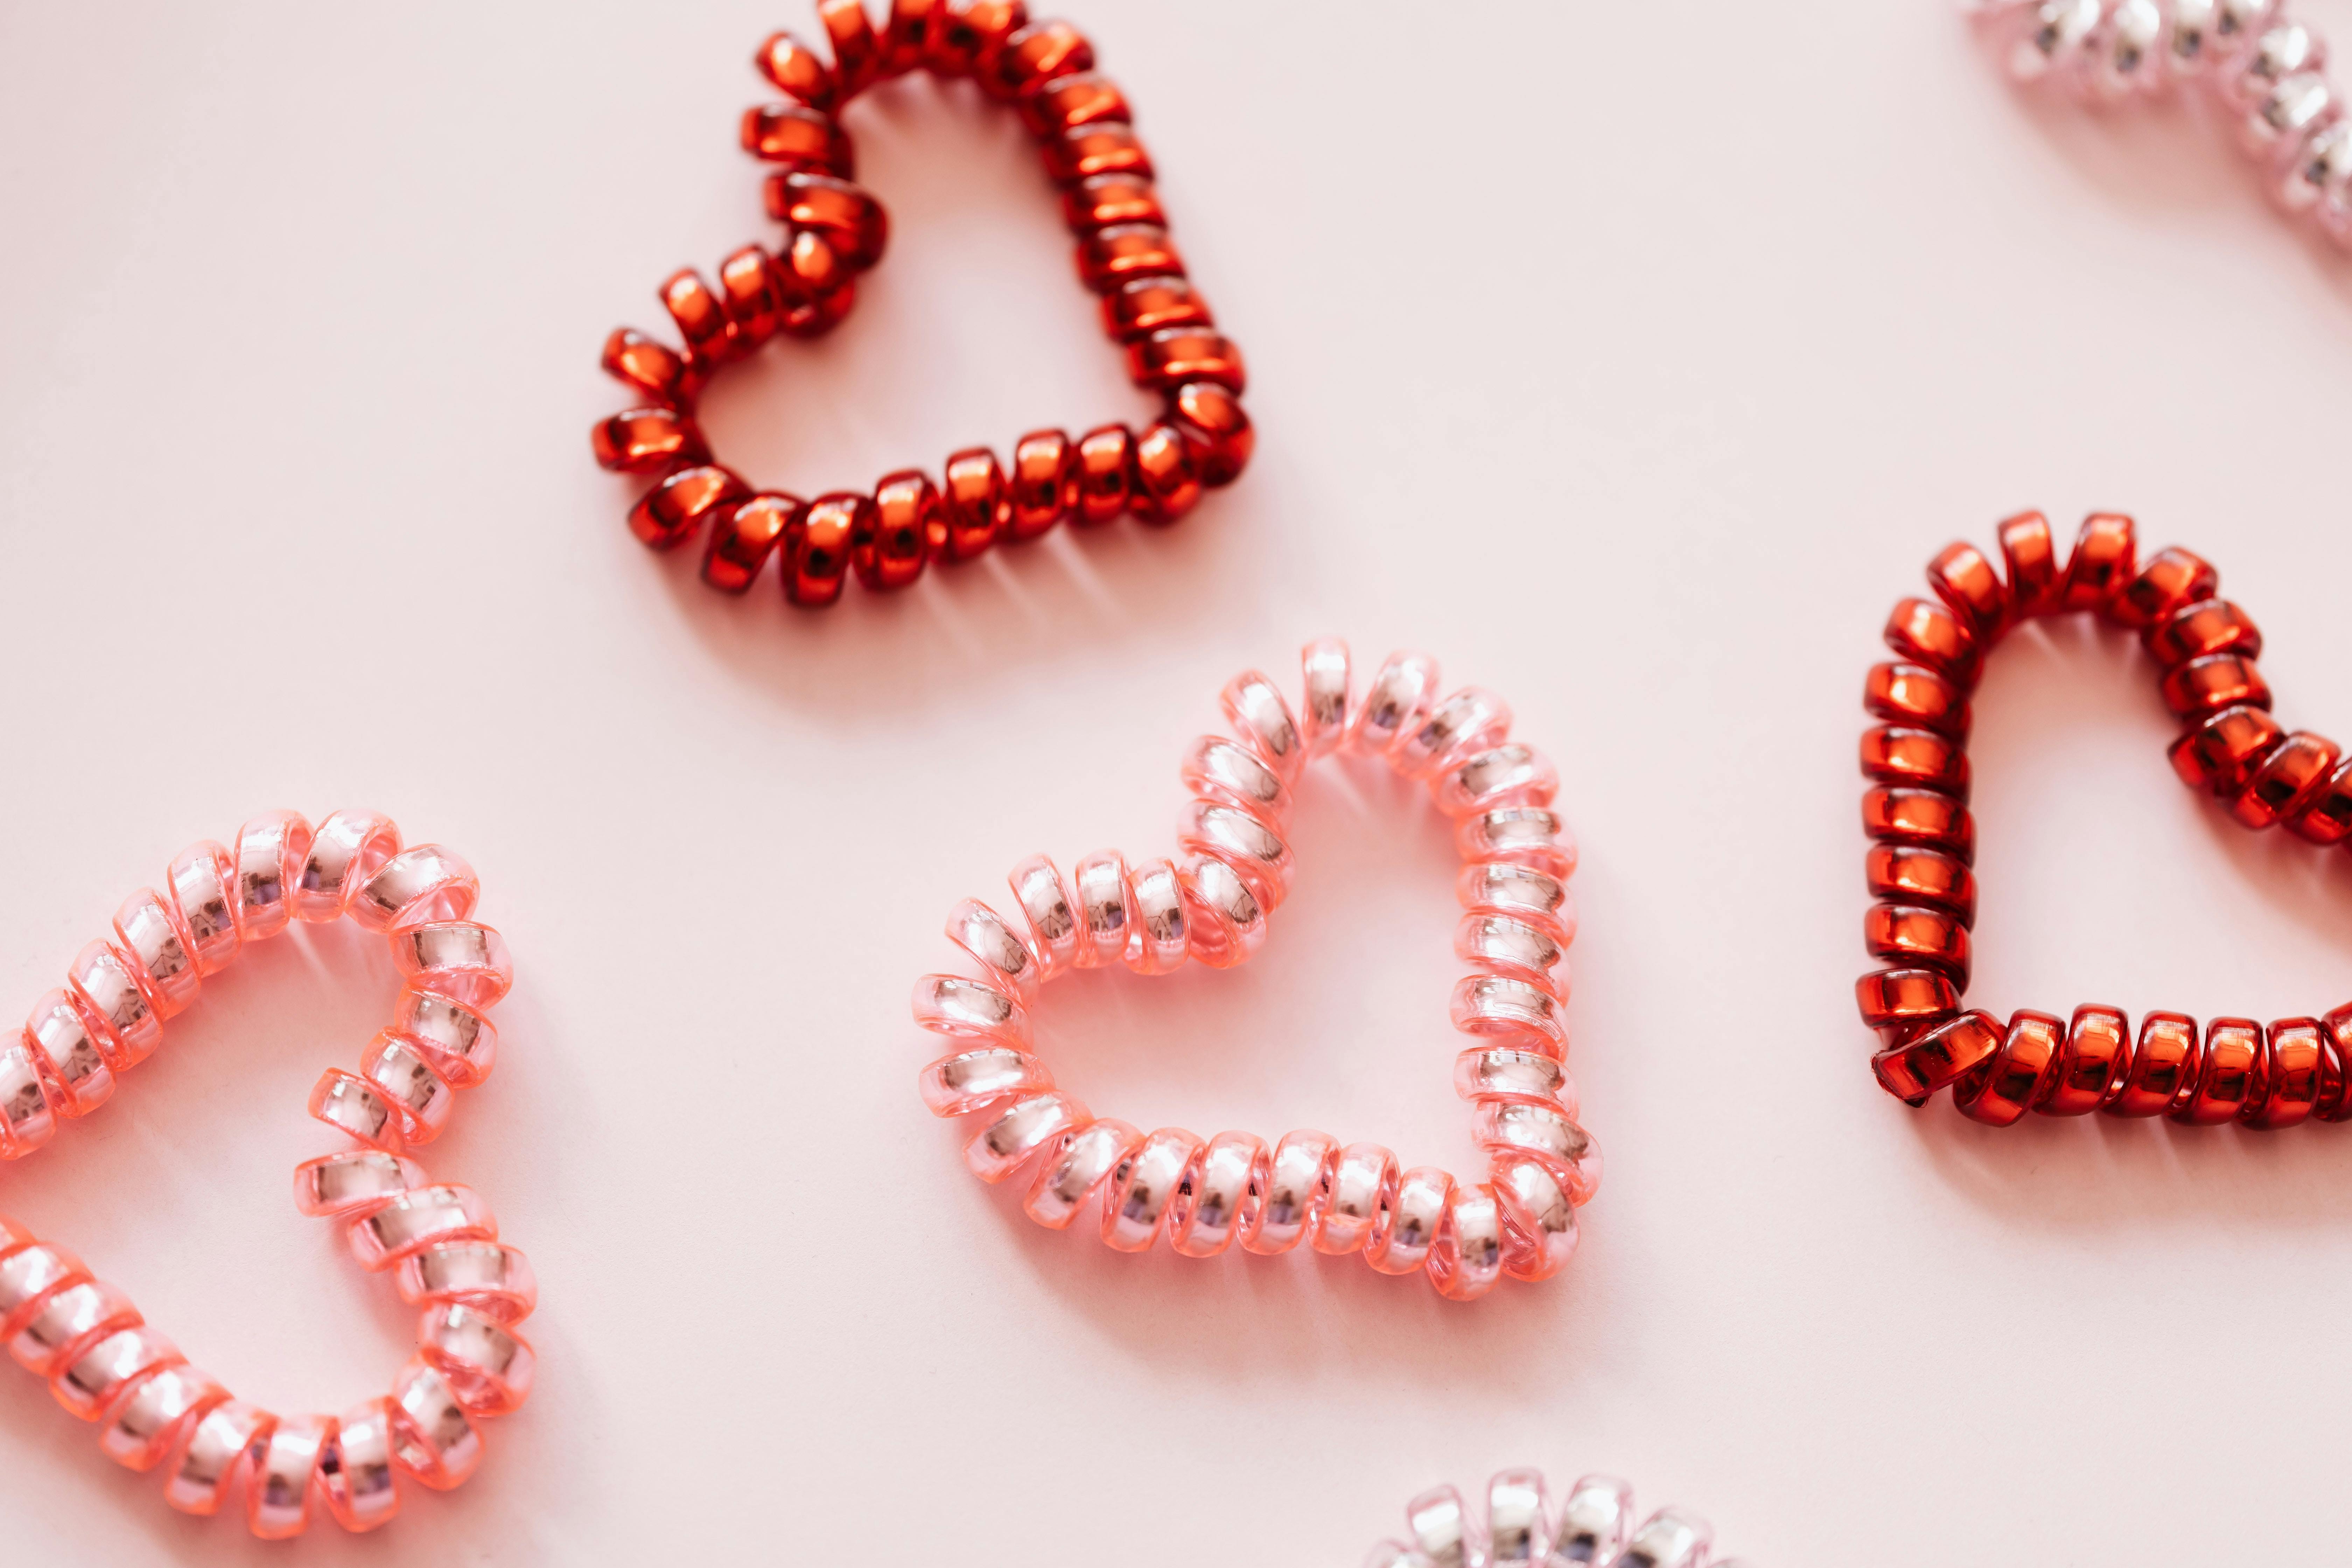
152,1408
1212,906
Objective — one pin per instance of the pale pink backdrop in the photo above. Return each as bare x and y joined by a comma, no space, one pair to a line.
1631,361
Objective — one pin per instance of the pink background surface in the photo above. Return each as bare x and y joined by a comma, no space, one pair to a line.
1631,367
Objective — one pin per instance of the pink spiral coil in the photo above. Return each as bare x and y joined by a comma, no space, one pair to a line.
1204,1195
1593,1524
2259,71
439,1242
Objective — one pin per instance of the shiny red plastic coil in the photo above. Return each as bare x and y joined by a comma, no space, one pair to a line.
833,230
1924,842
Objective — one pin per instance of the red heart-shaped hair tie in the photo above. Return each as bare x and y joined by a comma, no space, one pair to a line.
2236,1069
1200,1194
833,230
438,1241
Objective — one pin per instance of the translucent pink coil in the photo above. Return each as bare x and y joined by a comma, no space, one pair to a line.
1211,905
438,1242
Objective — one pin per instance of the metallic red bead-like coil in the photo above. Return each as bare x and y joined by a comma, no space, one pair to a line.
834,229
2230,1070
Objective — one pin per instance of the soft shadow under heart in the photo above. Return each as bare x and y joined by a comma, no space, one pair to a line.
959,633
1305,1317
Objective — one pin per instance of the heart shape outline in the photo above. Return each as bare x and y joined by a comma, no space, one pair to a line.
1203,1196
836,229
103,1361
2238,1070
